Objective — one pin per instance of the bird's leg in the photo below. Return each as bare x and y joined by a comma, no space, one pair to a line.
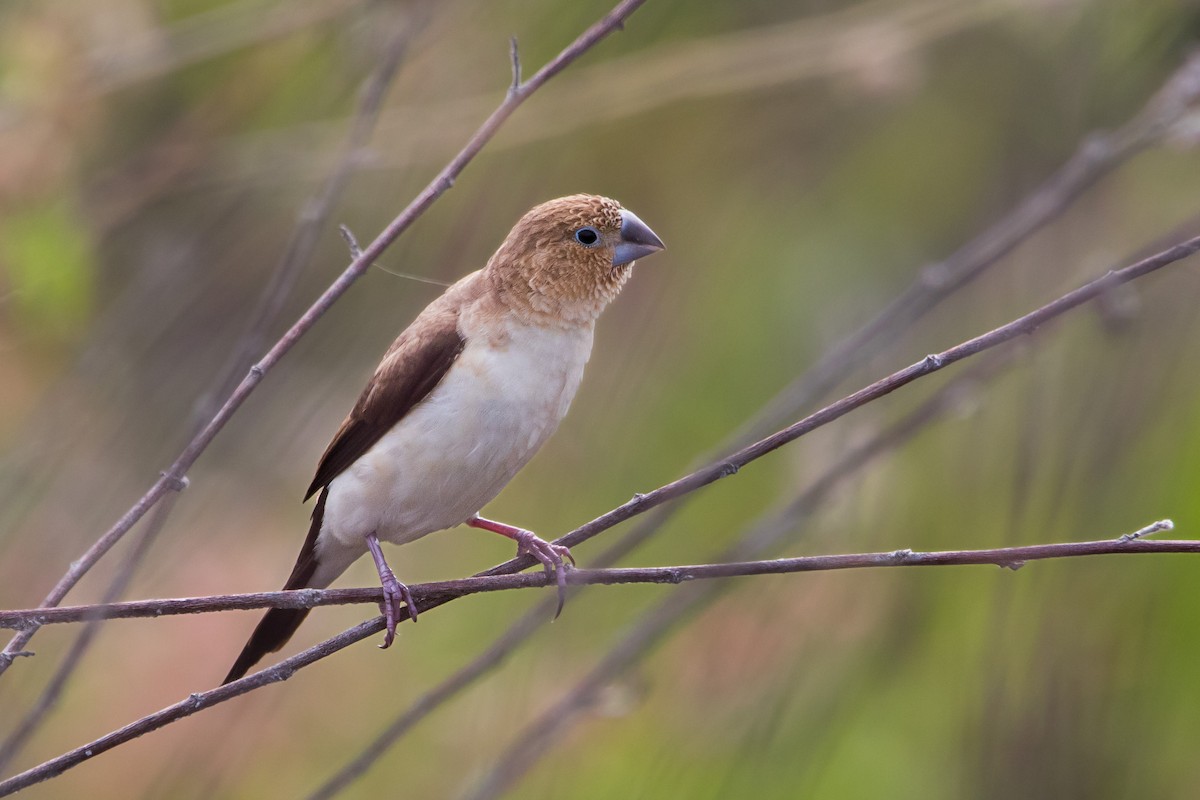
549,555
394,592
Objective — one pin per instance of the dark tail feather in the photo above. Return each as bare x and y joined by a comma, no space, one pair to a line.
278,625
272,633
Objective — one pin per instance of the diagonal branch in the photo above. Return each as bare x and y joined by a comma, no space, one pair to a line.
639,504
174,475
297,254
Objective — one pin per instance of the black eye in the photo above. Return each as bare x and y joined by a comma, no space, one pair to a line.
587,236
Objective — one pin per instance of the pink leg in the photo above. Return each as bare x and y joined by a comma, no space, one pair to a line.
529,543
394,592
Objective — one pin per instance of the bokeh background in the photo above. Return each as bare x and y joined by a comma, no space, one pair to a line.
804,161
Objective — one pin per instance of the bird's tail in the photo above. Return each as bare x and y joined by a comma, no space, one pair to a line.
278,624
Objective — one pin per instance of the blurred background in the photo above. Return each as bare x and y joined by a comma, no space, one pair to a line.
804,161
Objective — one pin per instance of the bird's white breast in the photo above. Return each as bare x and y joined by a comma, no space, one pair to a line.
456,450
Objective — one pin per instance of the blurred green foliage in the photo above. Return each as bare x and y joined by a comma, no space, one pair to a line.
49,269
803,161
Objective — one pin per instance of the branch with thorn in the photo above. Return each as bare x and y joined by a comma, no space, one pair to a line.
515,56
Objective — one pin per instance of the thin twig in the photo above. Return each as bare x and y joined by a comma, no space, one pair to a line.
515,56
437,187
1009,557
643,502
19,619
1153,528
297,254
356,251
351,241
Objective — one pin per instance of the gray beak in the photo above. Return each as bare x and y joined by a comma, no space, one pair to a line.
637,240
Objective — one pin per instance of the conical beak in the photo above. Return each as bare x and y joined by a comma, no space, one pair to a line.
637,240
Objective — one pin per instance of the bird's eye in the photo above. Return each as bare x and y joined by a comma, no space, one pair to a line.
587,236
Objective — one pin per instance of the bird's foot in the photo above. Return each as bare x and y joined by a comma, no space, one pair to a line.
395,596
551,556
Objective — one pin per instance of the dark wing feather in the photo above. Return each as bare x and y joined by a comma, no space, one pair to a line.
412,367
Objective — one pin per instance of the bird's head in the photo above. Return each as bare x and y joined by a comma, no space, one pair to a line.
568,258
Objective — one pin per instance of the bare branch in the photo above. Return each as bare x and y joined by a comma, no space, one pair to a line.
295,598
438,186
1010,557
297,254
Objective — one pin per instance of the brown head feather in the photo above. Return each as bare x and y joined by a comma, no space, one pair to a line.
541,270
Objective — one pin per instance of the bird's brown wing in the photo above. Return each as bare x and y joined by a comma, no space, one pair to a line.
410,370
412,367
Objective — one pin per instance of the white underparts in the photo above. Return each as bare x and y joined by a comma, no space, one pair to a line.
455,451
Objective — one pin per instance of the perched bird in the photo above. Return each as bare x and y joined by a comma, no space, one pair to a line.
461,401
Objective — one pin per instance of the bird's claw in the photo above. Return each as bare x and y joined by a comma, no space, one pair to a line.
552,557
395,596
